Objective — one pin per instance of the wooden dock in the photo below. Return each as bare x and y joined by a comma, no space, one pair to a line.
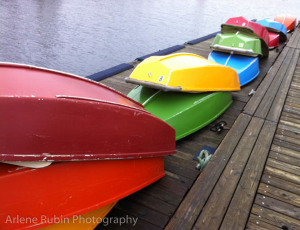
253,179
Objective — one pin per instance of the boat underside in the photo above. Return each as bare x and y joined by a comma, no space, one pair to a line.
185,112
66,189
246,67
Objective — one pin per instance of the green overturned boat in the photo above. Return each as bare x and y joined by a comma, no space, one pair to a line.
238,43
185,112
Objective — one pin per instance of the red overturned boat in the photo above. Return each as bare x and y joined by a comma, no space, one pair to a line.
251,28
53,116
273,40
109,146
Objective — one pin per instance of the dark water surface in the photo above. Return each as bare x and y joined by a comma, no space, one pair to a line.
86,36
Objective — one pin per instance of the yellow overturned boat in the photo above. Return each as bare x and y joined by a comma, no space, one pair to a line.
184,72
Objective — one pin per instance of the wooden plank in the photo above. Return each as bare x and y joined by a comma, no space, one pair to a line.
162,194
181,167
285,131
276,108
279,194
117,213
281,183
239,97
292,99
293,42
266,102
296,40
142,212
194,142
278,206
256,223
292,118
284,158
290,122
215,208
186,182
291,109
293,104
286,145
240,206
153,203
294,93
192,204
295,86
275,163
282,174
288,139
286,151
255,100
171,186
288,131
298,45
275,218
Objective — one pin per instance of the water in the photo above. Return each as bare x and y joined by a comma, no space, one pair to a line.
86,36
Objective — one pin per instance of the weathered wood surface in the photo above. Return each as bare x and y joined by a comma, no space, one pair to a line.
188,211
294,42
230,209
277,202
222,196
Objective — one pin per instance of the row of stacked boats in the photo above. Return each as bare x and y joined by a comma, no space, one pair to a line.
188,91
71,146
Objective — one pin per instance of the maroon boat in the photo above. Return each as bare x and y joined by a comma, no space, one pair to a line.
54,116
251,28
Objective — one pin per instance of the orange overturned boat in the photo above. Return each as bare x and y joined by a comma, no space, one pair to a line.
289,21
64,190
184,72
53,116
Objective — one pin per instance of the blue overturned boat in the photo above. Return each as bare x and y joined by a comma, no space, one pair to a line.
275,27
246,67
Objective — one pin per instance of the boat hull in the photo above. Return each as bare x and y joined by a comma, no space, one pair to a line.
275,27
246,67
274,40
186,113
87,221
69,189
229,29
237,43
258,29
184,72
289,21
44,124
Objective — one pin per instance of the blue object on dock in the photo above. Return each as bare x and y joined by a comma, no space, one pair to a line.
110,72
246,67
162,52
279,27
275,27
211,150
195,41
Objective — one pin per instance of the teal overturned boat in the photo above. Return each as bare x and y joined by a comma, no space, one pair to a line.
185,112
